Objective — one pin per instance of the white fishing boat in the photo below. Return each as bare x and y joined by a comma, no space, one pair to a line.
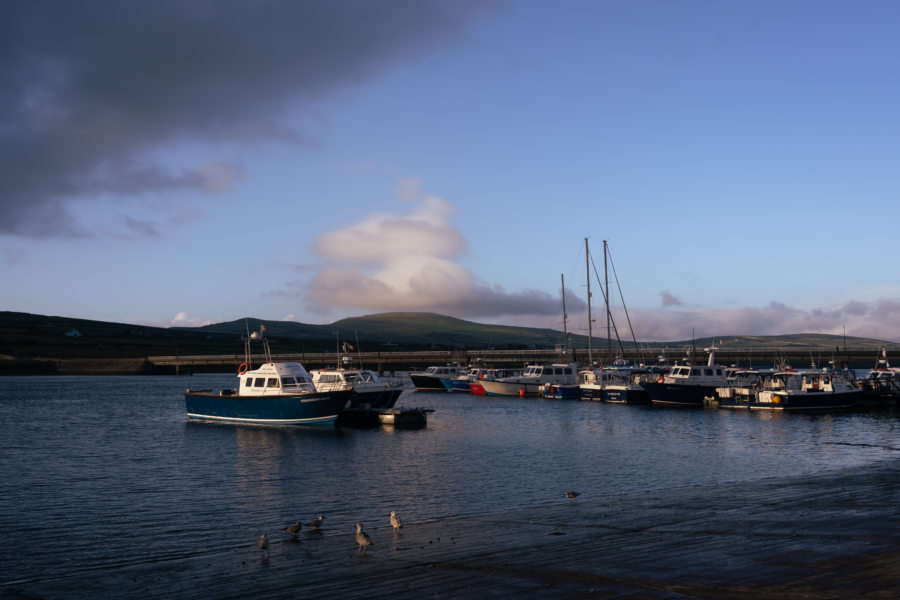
532,378
368,390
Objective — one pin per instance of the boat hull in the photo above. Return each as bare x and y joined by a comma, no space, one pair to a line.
383,398
679,395
562,392
311,409
510,388
456,385
626,396
804,402
592,393
427,383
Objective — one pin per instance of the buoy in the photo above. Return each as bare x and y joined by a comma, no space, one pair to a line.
521,393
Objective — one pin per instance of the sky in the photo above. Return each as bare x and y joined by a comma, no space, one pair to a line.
183,163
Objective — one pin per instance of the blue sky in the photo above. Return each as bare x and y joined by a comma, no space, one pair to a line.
177,163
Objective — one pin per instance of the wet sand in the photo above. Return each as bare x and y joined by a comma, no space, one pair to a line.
832,535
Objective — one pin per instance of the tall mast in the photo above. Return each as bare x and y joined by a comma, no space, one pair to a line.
562,278
608,316
587,266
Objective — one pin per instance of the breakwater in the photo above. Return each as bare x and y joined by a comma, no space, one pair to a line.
385,362
860,358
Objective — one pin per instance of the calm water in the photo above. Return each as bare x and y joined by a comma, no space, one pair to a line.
100,471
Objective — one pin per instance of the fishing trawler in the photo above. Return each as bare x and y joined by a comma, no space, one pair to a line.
275,393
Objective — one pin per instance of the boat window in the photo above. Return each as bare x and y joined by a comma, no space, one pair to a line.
248,382
273,382
259,382
719,372
709,372
287,381
568,370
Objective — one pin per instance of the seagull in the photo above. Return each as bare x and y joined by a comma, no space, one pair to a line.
362,538
293,529
264,542
395,521
316,523
571,496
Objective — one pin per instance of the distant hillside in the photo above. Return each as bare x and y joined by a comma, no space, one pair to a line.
24,335
424,330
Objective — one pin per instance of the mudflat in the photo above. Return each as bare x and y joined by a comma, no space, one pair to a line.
835,535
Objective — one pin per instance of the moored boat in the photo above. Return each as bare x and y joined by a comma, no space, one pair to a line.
531,380
799,391
368,390
632,390
429,380
275,393
477,388
688,386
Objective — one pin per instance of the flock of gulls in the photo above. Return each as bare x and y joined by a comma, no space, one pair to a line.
362,538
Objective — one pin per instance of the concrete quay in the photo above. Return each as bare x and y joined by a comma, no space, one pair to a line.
834,535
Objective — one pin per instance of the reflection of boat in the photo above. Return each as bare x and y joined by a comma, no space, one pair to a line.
368,389
688,386
429,380
530,381
279,393
807,390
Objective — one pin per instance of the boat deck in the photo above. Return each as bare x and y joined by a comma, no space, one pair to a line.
833,535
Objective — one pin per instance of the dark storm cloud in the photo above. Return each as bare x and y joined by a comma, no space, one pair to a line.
89,88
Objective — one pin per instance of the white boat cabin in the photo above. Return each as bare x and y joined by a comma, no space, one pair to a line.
715,375
272,379
555,373
329,380
444,372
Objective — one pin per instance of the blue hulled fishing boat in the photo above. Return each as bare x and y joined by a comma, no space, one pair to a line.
276,393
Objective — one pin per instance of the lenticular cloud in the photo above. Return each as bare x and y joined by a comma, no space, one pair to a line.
390,262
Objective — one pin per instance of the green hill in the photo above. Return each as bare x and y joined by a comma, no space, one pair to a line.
24,335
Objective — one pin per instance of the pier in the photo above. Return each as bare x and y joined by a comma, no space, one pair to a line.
831,536
854,357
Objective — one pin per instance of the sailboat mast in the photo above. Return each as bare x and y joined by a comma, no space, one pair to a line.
608,316
562,278
587,266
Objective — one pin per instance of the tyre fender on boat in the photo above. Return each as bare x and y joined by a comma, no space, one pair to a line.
243,368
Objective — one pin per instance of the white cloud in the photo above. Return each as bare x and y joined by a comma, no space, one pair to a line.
391,262
183,319
879,319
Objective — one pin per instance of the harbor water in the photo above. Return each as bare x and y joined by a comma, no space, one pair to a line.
98,472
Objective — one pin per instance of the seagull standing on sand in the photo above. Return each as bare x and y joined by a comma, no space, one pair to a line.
395,521
293,529
571,496
362,538
316,523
